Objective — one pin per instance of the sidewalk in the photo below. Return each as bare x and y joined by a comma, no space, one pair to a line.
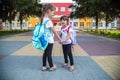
95,57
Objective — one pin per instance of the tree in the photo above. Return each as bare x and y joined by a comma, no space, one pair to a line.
98,9
9,8
27,8
88,8
110,10
7,11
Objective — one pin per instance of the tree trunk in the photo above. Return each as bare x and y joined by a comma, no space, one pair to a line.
96,18
21,24
10,22
106,26
106,19
20,21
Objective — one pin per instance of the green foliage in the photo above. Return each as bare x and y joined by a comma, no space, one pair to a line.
110,33
9,8
98,9
7,32
28,7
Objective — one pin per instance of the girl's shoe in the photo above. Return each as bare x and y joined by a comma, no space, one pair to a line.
64,65
44,68
53,68
71,68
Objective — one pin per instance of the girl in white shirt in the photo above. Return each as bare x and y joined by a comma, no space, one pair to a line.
66,42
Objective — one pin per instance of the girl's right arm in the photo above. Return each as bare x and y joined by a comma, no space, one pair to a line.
53,30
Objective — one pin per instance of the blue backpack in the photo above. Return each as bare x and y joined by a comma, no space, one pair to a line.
40,39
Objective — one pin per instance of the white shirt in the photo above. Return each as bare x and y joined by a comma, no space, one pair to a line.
48,25
65,32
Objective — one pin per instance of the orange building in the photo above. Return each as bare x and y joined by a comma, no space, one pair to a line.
85,23
32,21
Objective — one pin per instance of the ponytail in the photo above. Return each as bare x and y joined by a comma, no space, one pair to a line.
45,8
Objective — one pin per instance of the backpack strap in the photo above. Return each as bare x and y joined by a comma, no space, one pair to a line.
46,21
68,29
72,46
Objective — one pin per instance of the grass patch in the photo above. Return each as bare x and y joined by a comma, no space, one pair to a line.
109,33
7,32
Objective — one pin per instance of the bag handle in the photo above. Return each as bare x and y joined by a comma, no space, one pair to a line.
46,22
68,28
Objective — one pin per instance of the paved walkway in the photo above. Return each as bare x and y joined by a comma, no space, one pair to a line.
95,57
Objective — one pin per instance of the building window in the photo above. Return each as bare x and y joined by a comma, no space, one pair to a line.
18,24
100,24
81,24
70,9
56,8
62,9
118,24
88,24
75,24
70,23
112,24
93,24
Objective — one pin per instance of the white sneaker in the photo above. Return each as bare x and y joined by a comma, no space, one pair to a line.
44,68
53,68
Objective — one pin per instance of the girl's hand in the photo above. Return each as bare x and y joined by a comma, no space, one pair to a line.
63,41
60,41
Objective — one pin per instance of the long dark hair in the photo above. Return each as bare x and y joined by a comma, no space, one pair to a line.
45,8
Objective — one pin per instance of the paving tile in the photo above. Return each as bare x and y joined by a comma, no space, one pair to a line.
25,34
8,47
28,68
18,38
111,64
2,57
101,48
95,58
29,50
89,39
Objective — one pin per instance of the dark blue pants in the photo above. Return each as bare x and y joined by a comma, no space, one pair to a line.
67,51
48,55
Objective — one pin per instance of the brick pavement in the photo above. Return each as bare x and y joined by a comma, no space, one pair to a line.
96,58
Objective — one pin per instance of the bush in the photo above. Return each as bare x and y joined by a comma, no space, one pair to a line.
110,33
6,32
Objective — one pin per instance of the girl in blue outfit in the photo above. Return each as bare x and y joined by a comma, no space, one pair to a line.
48,12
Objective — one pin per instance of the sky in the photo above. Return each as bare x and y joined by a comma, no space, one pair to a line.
58,1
